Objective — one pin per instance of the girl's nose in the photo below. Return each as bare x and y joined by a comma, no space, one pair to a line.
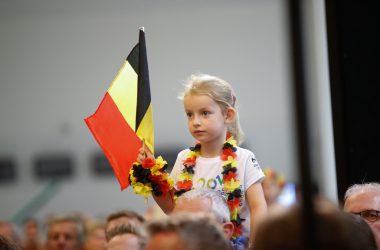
196,121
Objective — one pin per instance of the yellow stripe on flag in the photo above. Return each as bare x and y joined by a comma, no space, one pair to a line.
123,91
146,129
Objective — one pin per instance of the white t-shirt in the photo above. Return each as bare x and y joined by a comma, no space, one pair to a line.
208,174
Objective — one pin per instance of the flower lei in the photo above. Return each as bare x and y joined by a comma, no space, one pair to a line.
150,176
231,183
271,174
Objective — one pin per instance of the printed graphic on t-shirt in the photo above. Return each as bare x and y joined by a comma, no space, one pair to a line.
212,183
255,163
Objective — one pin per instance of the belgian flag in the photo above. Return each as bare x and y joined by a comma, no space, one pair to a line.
124,117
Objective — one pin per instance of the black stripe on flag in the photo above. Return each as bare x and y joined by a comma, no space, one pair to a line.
133,58
143,88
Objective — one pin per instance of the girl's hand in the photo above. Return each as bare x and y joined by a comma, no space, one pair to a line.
144,152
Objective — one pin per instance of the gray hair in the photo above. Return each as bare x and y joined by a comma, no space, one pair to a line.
219,206
197,231
360,188
79,224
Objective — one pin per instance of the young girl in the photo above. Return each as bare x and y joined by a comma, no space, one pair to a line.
216,161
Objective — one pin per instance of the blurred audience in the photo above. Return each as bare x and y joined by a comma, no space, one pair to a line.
7,244
31,239
95,235
364,201
7,229
186,231
124,217
333,230
64,232
154,212
126,237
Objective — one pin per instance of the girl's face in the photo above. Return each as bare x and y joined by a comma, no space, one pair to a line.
205,119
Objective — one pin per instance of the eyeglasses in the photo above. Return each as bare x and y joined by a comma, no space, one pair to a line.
369,215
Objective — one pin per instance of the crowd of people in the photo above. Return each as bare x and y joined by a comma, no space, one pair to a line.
201,220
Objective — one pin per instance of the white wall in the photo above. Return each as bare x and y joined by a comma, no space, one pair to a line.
57,59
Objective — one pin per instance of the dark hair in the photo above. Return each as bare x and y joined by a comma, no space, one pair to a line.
127,229
6,244
333,230
125,213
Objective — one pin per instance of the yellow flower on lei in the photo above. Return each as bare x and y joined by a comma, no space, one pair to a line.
193,154
231,160
234,213
141,189
184,176
160,163
167,178
133,179
231,185
232,141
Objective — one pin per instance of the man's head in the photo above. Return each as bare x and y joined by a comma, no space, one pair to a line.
30,229
124,217
8,230
188,231
8,244
126,236
64,233
364,200
332,229
95,236
206,201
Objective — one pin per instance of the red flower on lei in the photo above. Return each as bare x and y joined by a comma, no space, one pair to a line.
185,185
148,162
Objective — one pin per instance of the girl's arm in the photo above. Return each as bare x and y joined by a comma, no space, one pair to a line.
166,201
257,207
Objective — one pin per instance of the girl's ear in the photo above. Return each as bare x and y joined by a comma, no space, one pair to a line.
230,115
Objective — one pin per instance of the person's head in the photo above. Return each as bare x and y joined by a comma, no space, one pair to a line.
30,229
7,244
95,236
186,231
64,232
333,229
206,201
124,217
8,230
126,237
210,105
154,211
364,200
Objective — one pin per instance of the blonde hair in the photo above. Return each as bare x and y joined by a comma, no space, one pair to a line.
221,92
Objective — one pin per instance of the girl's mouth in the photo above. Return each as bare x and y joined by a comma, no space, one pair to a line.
197,132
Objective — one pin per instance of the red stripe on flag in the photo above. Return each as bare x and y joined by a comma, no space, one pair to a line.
116,138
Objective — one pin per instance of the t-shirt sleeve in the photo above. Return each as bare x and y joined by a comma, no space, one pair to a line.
177,166
253,172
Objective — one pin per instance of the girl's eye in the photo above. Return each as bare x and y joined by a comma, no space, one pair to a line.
205,113
189,115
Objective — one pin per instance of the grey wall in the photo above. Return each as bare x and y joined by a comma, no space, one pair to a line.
57,59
